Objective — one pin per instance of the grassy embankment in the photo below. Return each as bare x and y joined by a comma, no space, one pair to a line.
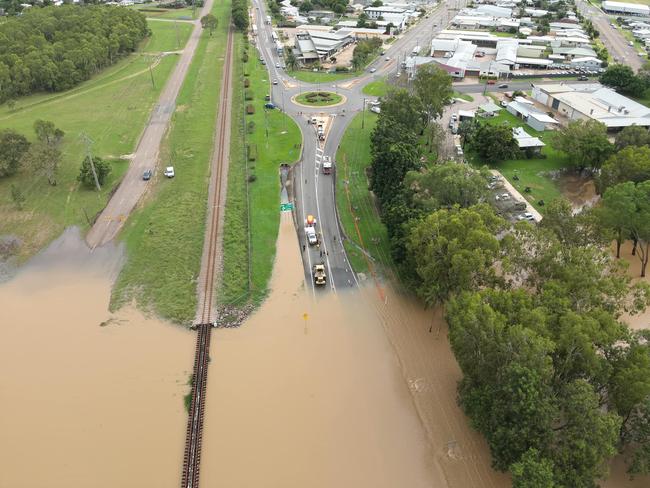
377,88
164,238
167,13
316,100
112,109
321,76
532,173
253,185
354,200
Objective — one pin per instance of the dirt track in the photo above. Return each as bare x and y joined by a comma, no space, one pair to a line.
132,188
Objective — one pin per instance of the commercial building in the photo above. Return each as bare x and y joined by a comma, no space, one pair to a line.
313,45
625,8
383,11
525,110
593,101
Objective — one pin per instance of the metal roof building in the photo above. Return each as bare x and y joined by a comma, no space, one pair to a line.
625,8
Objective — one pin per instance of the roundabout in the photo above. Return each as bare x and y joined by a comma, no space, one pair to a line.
318,99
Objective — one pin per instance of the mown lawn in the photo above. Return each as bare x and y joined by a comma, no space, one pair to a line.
111,109
275,139
321,76
168,36
164,239
532,173
377,88
355,201
318,101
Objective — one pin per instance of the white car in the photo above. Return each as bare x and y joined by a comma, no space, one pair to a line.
526,216
502,197
387,58
372,70
454,116
169,172
275,82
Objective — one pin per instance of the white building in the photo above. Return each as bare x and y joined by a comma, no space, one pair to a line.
526,111
625,8
593,101
525,141
586,62
383,11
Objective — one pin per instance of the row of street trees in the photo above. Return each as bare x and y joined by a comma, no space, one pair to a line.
552,377
55,48
240,14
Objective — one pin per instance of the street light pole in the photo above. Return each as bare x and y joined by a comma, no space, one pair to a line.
363,114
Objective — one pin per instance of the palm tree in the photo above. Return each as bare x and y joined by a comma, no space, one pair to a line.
292,61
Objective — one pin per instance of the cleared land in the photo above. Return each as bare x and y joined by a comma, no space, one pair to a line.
355,201
272,138
169,36
164,239
111,109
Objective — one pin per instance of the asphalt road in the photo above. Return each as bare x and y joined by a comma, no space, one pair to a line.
617,45
110,221
314,191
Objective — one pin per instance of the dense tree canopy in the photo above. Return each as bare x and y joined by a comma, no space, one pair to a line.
586,141
240,13
13,146
54,48
629,164
493,143
634,135
433,86
623,79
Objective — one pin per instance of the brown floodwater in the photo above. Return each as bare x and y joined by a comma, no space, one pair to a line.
579,190
84,405
348,390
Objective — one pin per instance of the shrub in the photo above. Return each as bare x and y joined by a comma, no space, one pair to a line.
251,178
247,82
250,110
251,127
252,152
248,95
244,57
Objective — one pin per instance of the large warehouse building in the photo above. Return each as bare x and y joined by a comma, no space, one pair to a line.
625,8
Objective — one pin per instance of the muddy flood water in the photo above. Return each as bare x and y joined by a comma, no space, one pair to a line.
348,390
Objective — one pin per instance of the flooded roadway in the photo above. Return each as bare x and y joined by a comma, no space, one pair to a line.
360,393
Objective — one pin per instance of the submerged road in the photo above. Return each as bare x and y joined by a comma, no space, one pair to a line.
314,192
132,187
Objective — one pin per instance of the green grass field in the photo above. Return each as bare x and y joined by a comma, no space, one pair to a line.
169,36
164,239
377,88
532,173
171,13
318,101
354,200
111,109
321,76
276,139
463,96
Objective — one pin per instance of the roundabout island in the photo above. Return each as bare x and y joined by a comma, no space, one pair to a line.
318,99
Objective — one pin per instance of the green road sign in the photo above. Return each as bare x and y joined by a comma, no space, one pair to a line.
286,207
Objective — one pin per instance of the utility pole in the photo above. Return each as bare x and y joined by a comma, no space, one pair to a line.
88,142
363,114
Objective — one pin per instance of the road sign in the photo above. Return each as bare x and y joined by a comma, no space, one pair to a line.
286,207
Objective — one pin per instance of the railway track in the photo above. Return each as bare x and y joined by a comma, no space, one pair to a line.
194,433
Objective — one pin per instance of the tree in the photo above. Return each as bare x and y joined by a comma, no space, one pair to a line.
291,60
377,3
102,170
492,143
454,250
532,471
403,108
637,435
641,226
13,147
48,133
362,21
631,163
209,21
433,86
44,160
617,211
622,78
586,142
634,135
240,14
571,229
389,167
445,185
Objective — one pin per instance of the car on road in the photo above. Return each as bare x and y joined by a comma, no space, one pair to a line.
277,65
387,58
503,85
372,70
525,216
318,271
263,62
275,82
146,176
169,172
310,233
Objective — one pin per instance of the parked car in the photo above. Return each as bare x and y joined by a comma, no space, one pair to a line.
454,116
502,197
372,70
169,172
277,65
582,78
269,105
387,58
146,176
503,85
525,216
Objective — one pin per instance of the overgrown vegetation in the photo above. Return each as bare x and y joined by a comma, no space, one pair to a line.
55,48
552,376
262,141
164,239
